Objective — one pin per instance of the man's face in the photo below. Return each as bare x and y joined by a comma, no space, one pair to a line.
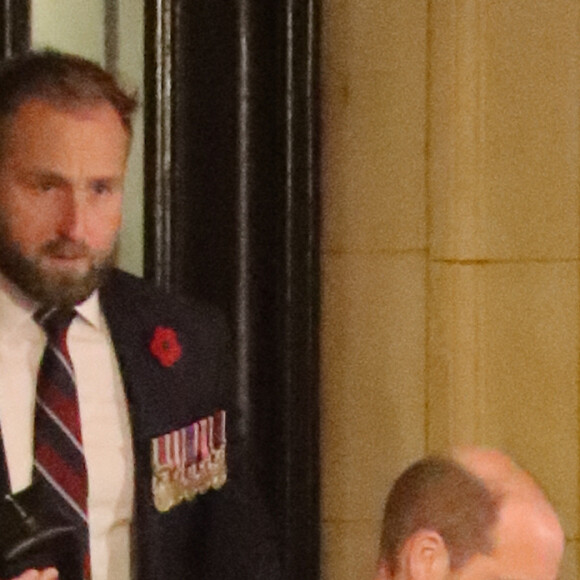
61,183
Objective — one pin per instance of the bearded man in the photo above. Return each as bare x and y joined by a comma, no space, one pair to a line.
115,400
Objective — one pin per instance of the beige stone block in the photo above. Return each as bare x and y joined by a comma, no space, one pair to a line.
373,383
357,35
349,550
374,127
456,132
503,113
504,367
531,119
456,316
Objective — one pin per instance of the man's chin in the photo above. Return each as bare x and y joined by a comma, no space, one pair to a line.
57,286
66,287
53,277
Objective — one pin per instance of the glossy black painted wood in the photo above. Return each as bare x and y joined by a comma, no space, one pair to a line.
232,208
14,27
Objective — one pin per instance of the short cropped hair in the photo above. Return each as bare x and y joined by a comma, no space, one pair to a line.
63,80
438,494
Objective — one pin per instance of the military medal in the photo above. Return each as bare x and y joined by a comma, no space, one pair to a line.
191,476
163,490
204,461
178,470
218,452
189,461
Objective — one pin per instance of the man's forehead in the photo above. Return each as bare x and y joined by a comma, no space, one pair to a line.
39,112
39,121
487,464
528,542
84,109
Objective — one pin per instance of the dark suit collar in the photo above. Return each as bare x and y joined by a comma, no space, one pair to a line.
4,478
124,321
127,308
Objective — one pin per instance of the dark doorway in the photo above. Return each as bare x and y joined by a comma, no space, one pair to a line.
233,217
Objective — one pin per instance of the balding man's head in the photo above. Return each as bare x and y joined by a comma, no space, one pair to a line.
471,517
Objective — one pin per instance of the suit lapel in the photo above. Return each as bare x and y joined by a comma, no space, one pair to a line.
124,323
4,479
160,397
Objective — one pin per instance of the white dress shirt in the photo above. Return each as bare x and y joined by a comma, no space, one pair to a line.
104,420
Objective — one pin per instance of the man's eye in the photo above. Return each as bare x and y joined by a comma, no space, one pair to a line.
101,187
46,186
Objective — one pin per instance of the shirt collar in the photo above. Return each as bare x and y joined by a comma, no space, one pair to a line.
16,309
90,310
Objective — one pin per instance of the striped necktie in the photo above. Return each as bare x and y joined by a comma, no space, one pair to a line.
58,452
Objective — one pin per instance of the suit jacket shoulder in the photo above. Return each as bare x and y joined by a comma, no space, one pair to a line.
167,393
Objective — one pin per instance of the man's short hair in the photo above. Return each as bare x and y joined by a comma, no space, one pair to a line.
438,494
63,80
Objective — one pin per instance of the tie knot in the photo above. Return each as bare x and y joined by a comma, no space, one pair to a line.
54,322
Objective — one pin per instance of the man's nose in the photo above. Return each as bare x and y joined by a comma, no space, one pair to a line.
73,215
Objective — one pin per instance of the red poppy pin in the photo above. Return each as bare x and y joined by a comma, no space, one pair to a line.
165,347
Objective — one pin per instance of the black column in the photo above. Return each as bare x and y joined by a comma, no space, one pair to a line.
14,27
232,207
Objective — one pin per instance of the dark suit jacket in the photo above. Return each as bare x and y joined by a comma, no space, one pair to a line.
222,534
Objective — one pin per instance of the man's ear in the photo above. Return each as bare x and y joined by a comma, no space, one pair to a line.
382,573
424,556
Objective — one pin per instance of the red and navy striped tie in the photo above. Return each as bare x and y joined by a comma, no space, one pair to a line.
58,451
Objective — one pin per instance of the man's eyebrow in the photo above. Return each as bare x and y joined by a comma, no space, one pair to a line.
109,180
40,174
58,178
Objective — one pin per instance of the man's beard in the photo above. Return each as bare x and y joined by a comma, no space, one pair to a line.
50,286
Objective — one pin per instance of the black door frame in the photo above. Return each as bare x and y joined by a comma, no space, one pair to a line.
14,26
232,210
